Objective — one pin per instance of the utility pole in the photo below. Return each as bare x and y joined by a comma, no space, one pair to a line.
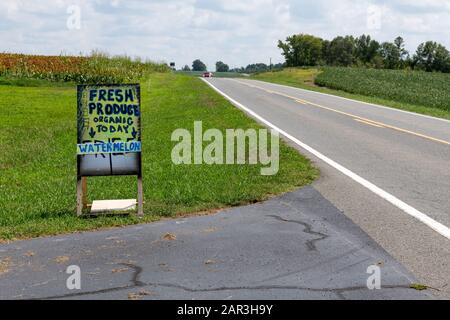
270,65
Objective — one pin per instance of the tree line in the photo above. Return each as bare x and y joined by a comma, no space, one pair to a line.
308,50
198,65
258,67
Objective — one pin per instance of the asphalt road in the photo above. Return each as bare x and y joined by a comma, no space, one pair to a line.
297,246
405,155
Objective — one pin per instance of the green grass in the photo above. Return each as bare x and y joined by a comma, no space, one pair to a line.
295,77
24,82
420,92
38,164
417,286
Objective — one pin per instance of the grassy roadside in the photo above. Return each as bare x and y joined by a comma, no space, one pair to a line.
38,171
304,79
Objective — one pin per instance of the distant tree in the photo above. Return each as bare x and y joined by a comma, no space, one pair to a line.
198,65
424,57
325,54
432,56
391,55
339,52
377,62
301,50
366,49
278,66
186,68
400,44
256,67
222,67
238,70
442,61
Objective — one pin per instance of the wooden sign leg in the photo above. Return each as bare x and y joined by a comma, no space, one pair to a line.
84,192
140,197
79,196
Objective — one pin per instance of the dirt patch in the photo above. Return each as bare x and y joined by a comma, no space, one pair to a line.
61,259
209,230
139,295
207,101
5,265
169,237
29,254
119,270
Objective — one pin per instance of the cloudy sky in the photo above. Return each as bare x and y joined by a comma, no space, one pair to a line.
238,32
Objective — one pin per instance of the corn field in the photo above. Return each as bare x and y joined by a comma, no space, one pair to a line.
96,68
413,87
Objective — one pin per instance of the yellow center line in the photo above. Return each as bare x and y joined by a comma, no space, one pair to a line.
369,123
355,117
301,101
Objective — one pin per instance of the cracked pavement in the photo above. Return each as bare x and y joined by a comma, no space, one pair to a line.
297,246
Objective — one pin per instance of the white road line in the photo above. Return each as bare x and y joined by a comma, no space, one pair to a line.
433,224
348,99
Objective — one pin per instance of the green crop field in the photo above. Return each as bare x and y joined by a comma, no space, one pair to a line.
414,87
98,67
416,91
38,163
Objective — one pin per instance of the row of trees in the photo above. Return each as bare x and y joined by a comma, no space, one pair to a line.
257,67
198,65
308,50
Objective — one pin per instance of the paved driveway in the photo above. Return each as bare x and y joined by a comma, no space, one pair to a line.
297,246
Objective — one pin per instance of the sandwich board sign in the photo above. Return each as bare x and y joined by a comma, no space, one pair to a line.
109,135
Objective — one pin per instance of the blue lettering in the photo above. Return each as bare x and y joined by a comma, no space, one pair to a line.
102,95
82,148
111,95
91,107
136,110
92,94
119,95
116,146
129,95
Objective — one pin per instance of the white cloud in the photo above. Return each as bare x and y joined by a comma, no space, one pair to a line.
235,31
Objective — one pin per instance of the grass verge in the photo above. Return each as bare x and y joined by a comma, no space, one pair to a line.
38,167
305,79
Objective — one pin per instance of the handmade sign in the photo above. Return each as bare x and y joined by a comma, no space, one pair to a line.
109,131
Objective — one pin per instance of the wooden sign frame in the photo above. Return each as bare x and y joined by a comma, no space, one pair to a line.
82,202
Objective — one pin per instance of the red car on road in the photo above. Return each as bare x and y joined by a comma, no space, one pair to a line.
207,75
